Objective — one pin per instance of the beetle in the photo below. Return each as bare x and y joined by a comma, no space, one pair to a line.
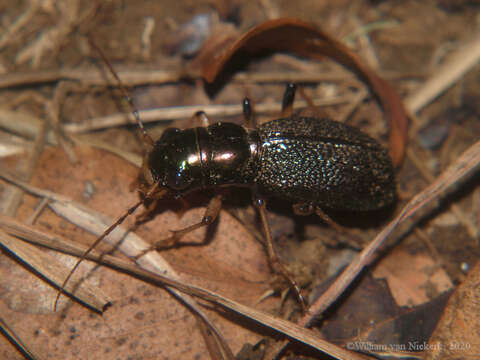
315,163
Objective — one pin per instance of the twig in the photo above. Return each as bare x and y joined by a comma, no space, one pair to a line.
38,210
136,77
271,11
362,34
131,157
184,112
15,197
90,76
350,108
446,75
368,28
470,228
428,244
21,21
146,38
53,110
23,124
49,40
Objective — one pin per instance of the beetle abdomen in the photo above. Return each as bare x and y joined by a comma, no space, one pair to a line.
324,163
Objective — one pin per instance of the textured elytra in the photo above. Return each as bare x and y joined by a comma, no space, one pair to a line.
324,163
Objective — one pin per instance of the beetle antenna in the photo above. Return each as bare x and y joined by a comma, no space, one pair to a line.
147,138
91,247
151,193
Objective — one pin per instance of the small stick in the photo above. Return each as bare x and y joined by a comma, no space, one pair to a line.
182,112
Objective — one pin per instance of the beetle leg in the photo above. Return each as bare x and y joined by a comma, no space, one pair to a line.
328,220
248,117
352,240
211,213
287,102
149,212
303,209
275,262
200,119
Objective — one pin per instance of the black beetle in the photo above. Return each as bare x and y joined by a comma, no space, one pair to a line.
310,161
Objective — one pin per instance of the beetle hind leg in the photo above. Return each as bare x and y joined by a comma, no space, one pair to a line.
329,221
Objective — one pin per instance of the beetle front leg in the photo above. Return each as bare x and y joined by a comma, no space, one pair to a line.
199,119
211,213
274,260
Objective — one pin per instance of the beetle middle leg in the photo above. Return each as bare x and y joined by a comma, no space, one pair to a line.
274,260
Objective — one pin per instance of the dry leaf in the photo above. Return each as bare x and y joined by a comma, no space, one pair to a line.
457,334
413,279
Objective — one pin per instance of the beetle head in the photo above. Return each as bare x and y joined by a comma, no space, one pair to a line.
174,162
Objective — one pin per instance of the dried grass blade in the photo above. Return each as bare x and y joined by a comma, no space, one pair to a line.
456,66
49,268
54,242
283,326
184,112
10,334
23,124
